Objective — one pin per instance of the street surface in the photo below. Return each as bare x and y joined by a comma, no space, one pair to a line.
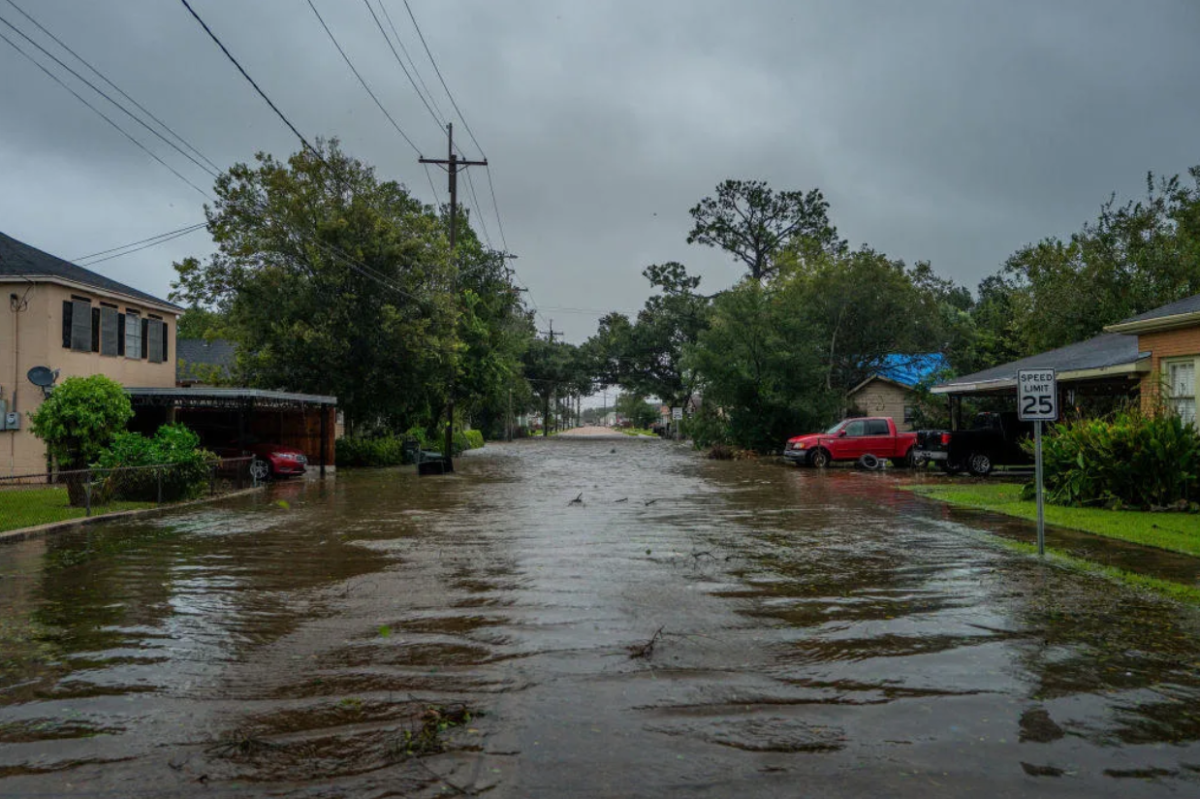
819,634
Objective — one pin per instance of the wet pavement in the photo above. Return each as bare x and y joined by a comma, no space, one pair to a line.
819,633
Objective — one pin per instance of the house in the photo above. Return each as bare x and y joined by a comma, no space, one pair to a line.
1148,358
76,322
1168,344
891,391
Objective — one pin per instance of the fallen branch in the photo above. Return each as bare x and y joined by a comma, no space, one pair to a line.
647,649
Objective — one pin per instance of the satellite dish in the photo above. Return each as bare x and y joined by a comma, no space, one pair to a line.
42,376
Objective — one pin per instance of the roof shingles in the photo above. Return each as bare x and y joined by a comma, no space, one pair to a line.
18,259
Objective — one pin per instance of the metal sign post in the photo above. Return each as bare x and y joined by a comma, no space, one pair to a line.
1037,402
676,418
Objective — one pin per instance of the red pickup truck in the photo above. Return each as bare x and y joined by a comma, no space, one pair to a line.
849,440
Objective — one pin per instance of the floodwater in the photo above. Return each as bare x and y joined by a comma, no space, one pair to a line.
818,633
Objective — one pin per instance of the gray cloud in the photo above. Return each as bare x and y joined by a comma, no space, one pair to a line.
947,131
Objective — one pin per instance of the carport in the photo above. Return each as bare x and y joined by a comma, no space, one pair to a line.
1107,368
223,417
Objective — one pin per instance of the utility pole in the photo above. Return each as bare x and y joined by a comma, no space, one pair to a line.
452,163
549,395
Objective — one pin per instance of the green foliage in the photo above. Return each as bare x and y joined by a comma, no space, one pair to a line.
636,410
1131,460
80,418
474,439
175,446
645,357
332,281
751,222
353,451
33,506
758,364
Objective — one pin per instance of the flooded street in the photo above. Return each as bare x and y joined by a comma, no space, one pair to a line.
818,633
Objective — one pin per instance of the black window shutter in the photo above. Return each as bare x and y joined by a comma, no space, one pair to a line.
120,334
165,349
68,308
95,330
145,337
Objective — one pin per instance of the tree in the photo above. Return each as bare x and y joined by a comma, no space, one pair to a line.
635,408
1133,258
750,221
646,357
197,322
759,368
549,366
78,420
864,308
332,282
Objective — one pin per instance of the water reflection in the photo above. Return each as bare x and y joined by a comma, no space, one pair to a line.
815,625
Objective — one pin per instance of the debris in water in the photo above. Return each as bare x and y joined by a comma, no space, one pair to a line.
622,499
647,649
578,500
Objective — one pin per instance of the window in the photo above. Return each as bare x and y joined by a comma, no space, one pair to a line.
133,335
855,428
109,341
1181,389
77,324
154,340
910,414
877,427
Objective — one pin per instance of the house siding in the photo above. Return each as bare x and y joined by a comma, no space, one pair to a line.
38,333
881,398
1161,346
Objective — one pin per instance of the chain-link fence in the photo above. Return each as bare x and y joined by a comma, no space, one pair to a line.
27,500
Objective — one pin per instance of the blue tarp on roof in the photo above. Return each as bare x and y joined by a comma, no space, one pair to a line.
912,370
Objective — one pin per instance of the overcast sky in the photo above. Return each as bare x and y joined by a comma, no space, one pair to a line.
950,131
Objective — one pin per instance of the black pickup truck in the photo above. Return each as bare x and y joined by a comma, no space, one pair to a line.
994,439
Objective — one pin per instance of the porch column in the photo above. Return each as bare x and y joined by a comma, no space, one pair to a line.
324,413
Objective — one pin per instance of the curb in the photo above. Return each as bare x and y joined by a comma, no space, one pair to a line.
43,530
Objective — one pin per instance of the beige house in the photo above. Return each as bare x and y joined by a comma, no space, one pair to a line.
70,319
882,396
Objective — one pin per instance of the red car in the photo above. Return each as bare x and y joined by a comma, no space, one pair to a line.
849,440
270,460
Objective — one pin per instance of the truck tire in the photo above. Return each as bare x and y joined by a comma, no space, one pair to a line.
819,459
980,464
909,461
950,467
870,462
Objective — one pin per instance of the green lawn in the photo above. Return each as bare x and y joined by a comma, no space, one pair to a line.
27,507
1176,532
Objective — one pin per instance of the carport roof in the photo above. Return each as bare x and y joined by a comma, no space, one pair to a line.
1108,354
210,397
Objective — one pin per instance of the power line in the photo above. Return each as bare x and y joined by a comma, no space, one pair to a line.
496,206
246,75
146,246
443,80
413,63
104,116
115,87
404,69
99,91
482,223
164,236
350,64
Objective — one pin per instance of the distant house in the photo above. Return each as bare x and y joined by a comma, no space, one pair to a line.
204,363
76,322
891,390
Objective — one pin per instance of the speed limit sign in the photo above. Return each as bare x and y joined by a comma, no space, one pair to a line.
1037,402
1037,395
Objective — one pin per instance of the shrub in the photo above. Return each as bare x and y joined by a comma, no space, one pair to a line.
474,439
1130,460
78,420
370,452
174,446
